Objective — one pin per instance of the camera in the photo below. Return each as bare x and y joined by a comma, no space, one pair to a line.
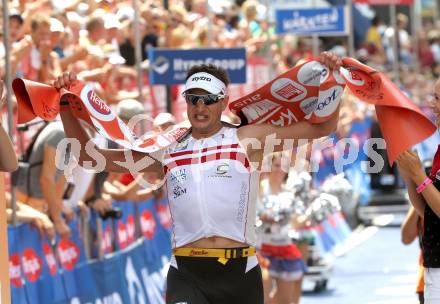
114,213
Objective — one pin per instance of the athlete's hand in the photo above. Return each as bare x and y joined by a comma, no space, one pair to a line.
65,80
331,60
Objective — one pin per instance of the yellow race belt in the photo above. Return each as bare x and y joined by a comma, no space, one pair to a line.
223,254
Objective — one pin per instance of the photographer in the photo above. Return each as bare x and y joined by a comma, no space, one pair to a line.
40,184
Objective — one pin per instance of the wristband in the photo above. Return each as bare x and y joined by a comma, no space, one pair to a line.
423,185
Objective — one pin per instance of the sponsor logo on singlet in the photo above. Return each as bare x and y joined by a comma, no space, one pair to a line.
178,191
221,171
242,203
181,146
178,176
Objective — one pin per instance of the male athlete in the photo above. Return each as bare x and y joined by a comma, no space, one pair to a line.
212,180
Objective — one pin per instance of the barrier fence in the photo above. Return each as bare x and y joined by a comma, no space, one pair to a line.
132,271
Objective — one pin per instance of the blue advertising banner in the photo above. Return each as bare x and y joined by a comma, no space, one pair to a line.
46,274
322,21
169,66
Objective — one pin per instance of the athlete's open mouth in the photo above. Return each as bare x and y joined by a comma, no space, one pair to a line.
201,117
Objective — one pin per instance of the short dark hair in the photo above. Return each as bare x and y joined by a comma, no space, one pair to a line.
94,22
13,14
214,70
39,20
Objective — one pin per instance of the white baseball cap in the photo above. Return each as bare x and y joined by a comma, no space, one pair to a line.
56,25
205,81
163,118
128,108
111,21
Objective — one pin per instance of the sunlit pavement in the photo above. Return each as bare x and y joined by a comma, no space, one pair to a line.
379,270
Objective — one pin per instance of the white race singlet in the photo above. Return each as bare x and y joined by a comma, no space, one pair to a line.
212,189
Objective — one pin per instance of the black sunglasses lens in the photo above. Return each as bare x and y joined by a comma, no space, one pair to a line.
192,99
207,99
210,99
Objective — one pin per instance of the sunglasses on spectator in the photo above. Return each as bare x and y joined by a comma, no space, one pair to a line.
207,99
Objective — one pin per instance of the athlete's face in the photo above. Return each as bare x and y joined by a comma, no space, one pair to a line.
205,119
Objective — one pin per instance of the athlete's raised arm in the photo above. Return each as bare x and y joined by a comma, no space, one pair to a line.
115,159
299,130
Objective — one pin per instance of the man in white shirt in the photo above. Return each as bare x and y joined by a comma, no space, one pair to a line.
212,175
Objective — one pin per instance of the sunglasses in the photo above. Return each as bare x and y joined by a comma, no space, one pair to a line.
208,99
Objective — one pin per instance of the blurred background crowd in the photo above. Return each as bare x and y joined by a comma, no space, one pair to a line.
97,38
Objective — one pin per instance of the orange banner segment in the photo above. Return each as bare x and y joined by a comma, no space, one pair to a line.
40,100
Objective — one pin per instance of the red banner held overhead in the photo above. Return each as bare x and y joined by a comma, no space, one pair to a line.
385,2
310,91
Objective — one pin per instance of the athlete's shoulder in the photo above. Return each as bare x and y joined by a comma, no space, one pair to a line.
229,125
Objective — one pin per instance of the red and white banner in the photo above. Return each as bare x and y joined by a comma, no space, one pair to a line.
309,91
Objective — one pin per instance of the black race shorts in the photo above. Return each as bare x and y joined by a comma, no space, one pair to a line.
202,280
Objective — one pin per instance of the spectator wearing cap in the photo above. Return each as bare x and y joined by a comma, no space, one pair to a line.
129,108
57,32
15,31
15,25
163,121
114,33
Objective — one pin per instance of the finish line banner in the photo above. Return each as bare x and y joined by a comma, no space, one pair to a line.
170,66
309,91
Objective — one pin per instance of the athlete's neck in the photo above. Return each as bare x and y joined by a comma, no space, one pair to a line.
199,134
